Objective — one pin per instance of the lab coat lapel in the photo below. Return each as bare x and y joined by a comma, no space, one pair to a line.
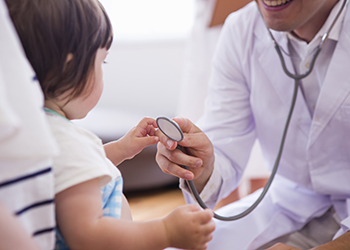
283,84
336,86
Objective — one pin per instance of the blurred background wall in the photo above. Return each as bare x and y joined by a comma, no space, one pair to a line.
159,64
142,77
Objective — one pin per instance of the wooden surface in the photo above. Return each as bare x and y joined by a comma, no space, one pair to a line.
155,203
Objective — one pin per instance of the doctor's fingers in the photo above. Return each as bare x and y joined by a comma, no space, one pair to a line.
186,125
168,143
179,157
170,162
197,142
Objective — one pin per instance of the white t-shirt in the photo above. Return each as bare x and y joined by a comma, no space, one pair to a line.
26,142
82,156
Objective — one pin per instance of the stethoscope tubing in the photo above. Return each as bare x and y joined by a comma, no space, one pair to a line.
272,175
296,78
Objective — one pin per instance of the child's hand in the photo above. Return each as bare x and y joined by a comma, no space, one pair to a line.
139,137
189,227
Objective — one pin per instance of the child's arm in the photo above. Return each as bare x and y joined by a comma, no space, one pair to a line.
132,142
79,217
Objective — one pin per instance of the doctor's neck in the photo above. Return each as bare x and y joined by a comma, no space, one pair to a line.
310,28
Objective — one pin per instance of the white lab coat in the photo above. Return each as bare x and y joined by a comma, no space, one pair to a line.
197,65
249,98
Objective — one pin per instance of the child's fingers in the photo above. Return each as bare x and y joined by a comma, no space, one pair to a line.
146,121
192,208
202,247
147,126
205,216
205,240
208,228
148,140
150,130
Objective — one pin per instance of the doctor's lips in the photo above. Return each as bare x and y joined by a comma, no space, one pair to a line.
276,3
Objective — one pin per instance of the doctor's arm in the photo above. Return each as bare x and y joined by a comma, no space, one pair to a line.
227,120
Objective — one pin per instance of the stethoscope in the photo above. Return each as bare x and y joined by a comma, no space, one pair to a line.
172,130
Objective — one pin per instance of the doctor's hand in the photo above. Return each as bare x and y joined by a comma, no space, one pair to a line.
198,154
281,246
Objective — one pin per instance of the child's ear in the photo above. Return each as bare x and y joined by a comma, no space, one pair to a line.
69,57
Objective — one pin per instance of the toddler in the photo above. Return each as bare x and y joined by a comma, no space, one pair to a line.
66,42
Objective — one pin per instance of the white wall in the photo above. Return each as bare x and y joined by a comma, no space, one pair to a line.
144,76
141,78
144,68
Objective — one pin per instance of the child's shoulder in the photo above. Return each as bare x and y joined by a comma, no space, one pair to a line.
68,130
81,157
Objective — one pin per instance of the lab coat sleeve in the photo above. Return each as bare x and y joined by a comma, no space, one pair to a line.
210,192
228,120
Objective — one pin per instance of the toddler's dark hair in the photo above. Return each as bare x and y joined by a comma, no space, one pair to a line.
50,30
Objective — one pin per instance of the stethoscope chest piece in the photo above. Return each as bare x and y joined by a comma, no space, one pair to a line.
170,128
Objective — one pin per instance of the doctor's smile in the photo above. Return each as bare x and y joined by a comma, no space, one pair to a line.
277,3
275,97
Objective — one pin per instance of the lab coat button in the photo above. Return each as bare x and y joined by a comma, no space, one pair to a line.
307,65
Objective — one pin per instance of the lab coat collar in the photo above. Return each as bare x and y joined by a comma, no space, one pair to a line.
336,86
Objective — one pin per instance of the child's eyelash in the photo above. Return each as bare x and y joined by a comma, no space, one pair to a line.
105,62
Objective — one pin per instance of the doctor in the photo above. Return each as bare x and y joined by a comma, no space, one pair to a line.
308,204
